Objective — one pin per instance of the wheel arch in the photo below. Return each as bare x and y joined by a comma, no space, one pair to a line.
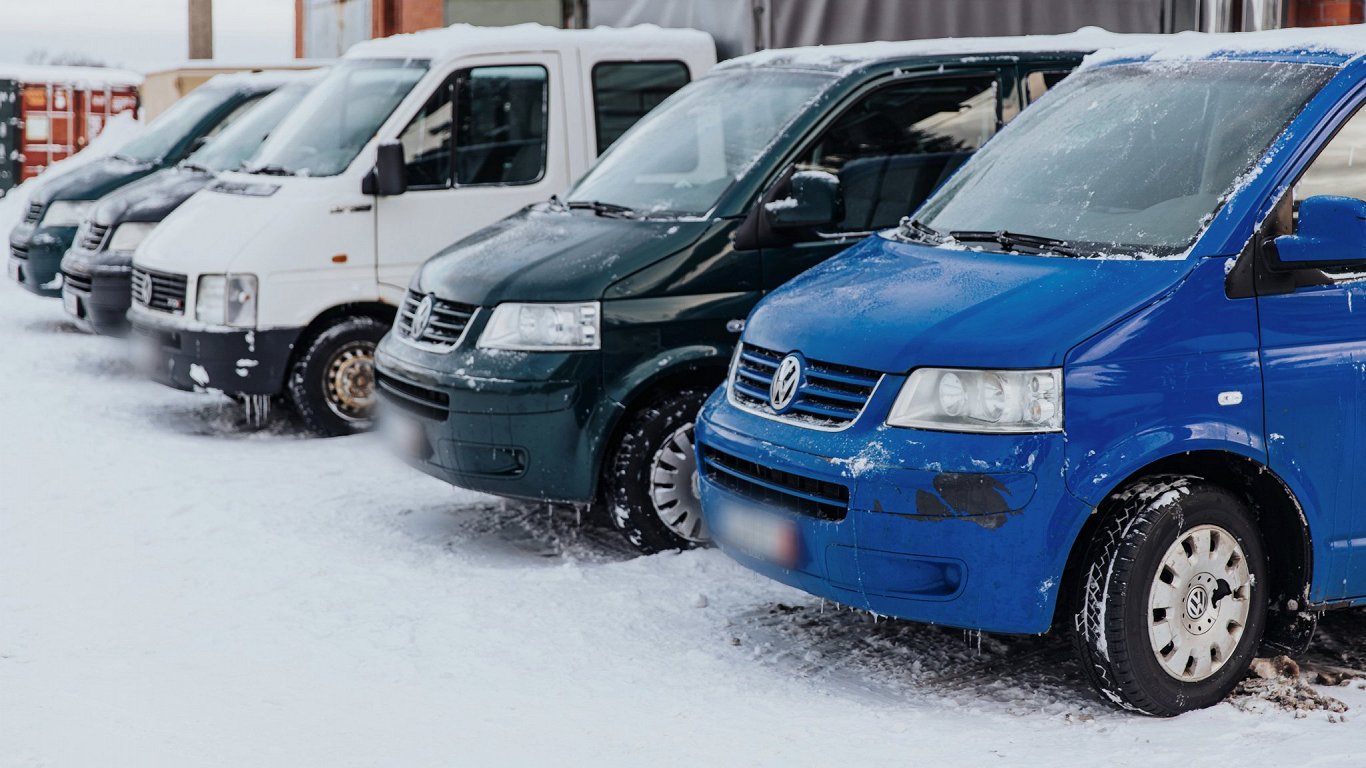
1277,514
379,311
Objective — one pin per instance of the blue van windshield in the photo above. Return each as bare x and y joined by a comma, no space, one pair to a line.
682,156
327,130
1127,160
172,126
239,141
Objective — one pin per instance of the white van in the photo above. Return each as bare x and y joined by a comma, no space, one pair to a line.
280,279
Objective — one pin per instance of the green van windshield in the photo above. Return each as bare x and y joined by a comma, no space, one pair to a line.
681,157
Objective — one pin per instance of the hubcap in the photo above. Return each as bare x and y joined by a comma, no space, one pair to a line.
1199,603
673,486
350,381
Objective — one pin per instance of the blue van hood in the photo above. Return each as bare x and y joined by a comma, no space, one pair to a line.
91,181
892,306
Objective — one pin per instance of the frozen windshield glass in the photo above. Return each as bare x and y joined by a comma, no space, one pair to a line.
172,126
327,130
682,156
1129,160
229,149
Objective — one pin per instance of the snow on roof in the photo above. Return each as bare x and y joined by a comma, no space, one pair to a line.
93,77
846,57
270,79
231,65
1348,41
462,39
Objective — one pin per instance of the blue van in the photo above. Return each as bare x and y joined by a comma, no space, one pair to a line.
1109,378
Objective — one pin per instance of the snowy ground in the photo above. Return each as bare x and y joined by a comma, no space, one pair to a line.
176,591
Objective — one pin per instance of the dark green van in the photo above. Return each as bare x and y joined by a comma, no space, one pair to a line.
58,205
562,353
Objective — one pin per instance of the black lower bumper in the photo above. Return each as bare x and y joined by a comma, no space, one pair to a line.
98,302
238,362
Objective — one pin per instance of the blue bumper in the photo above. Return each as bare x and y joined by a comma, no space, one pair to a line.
35,257
963,530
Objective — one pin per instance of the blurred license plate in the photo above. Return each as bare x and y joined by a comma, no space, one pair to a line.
71,303
759,533
145,351
14,271
403,432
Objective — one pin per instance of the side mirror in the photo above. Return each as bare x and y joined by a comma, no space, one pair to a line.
390,175
816,200
1332,235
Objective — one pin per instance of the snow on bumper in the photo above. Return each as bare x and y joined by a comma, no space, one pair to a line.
198,358
963,530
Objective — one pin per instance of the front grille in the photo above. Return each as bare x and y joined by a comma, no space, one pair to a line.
828,396
34,213
92,236
161,291
768,485
76,282
19,252
414,398
446,324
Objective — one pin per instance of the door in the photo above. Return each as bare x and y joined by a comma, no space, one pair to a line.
1314,375
890,150
488,141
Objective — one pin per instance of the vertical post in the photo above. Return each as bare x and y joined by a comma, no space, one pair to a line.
201,29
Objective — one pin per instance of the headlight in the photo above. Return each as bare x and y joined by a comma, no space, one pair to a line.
66,213
532,327
127,237
226,300
968,400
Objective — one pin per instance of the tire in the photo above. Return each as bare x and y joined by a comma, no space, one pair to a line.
650,482
1164,650
332,382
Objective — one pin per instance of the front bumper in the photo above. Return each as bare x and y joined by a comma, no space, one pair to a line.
97,290
516,424
964,530
35,257
192,358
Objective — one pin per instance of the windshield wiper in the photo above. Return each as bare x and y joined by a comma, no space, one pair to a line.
189,166
926,232
1014,240
603,209
272,170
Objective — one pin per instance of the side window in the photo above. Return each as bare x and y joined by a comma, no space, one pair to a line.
897,145
1340,169
501,123
1041,81
427,142
624,91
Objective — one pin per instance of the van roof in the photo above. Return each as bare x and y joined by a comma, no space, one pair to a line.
268,80
642,41
851,56
1325,45
81,77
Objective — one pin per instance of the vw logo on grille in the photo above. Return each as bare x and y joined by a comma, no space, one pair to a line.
422,316
783,389
145,290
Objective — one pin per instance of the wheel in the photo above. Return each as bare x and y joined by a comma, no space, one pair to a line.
650,483
332,382
1170,611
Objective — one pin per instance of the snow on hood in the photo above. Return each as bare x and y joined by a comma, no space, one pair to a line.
1348,41
891,306
150,199
847,57
120,130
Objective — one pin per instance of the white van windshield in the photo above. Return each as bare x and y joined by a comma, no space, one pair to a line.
330,126
681,157
1126,160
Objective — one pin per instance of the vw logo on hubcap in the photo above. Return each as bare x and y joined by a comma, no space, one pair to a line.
782,391
422,316
1195,602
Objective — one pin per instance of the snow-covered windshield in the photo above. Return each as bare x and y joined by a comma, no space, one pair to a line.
331,125
683,155
240,140
1129,160
172,126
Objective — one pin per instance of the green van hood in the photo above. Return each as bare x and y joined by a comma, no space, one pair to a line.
92,180
542,254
